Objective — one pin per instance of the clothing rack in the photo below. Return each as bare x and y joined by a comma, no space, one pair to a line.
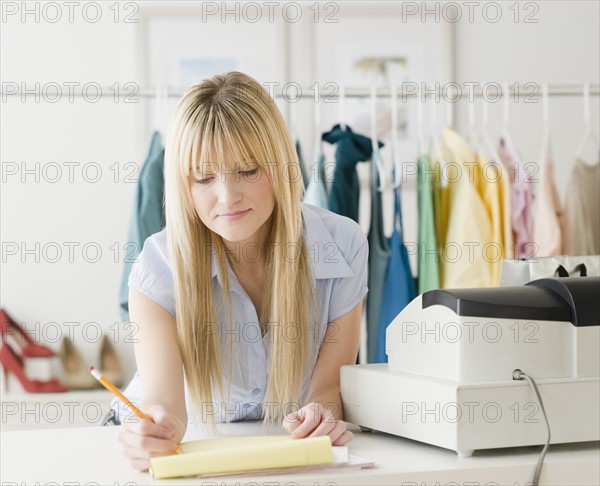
328,92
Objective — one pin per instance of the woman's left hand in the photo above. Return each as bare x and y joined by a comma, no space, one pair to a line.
314,420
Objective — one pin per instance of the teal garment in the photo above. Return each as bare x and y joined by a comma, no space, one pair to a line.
379,255
305,178
427,251
148,214
351,148
316,192
399,289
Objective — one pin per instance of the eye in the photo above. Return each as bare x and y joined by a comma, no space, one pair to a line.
203,181
249,172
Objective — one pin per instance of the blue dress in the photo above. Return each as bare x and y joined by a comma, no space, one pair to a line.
399,289
379,255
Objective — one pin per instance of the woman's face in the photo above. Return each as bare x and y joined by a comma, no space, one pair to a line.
233,201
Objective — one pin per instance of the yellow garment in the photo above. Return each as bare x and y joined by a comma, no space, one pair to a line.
506,208
468,227
495,193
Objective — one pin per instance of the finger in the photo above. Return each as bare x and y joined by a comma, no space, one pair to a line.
141,454
166,419
147,443
312,419
326,428
344,438
143,427
338,431
291,422
332,429
140,464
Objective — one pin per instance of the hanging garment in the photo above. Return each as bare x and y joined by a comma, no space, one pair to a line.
441,202
427,251
351,148
316,192
379,255
469,229
505,194
147,216
581,215
399,288
547,233
521,207
494,191
305,178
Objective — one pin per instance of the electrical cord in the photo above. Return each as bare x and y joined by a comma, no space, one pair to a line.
520,375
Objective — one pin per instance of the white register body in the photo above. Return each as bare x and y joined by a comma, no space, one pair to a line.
451,357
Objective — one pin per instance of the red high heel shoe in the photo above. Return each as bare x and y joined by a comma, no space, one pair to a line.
11,363
29,349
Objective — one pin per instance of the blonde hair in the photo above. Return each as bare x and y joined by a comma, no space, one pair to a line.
234,109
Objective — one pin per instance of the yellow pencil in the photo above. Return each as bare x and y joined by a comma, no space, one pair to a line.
109,386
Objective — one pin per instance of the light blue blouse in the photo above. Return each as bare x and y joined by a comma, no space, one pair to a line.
338,252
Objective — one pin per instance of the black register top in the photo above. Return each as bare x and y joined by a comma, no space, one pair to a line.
572,299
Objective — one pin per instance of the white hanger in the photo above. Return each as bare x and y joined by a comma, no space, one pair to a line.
545,119
471,136
487,142
293,121
342,102
161,122
158,102
420,135
375,146
434,144
318,141
394,138
587,123
505,119
450,108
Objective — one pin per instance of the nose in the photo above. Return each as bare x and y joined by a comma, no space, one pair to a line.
229,192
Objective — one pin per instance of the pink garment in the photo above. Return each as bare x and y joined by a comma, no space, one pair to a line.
522,195
581,215
547,231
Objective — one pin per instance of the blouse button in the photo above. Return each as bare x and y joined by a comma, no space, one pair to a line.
247,405
256,391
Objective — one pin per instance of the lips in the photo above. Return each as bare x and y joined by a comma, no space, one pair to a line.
235,216
235,212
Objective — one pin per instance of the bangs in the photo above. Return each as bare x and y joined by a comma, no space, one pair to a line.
205,152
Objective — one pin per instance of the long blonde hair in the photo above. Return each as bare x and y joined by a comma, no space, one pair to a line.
234,109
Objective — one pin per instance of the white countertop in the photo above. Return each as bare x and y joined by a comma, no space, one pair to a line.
93,455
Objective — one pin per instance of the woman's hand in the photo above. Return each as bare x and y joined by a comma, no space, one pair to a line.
142,440
314,420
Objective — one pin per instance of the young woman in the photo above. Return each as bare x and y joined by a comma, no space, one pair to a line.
245,287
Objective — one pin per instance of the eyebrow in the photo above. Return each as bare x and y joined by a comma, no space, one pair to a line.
212,166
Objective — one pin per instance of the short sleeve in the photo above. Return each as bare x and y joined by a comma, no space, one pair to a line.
152,275
347,292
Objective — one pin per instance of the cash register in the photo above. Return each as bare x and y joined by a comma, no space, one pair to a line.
456,359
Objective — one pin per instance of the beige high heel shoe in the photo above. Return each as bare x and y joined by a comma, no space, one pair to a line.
110,365
76,374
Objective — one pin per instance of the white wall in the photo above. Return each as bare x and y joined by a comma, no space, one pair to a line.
67,212
562,48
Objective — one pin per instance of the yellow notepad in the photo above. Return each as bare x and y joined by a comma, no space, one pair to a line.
237,454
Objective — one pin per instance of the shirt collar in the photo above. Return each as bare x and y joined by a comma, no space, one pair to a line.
326,259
